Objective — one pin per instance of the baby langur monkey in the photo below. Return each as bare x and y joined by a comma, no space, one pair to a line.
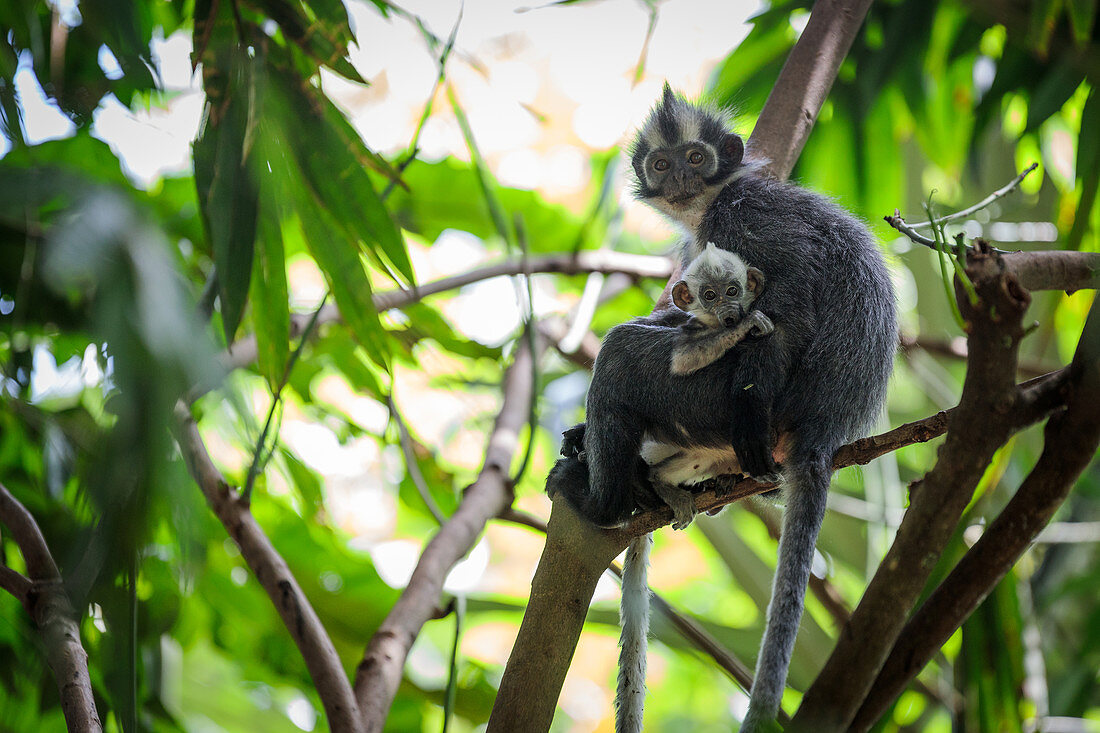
716,290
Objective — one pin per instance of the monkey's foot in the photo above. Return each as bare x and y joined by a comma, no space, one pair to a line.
681,501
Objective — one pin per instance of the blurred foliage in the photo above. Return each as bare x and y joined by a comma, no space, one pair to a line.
128,294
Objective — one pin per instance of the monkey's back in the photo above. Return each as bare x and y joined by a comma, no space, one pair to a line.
829,295
632,381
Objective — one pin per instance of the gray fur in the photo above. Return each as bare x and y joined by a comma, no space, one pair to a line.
716,290
820,377
634,618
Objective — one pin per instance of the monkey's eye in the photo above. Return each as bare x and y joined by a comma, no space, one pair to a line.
660,164
695,157
709,295
732,291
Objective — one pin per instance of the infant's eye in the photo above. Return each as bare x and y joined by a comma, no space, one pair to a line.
732,291
695,157
709,294
660,164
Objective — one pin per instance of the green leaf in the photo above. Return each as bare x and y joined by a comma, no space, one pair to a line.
1056,86
1082,15
306,483
228,193
1088,169
324,38
331,157
339,259
270,304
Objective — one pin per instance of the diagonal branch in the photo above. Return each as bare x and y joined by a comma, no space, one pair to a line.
1070,441
45,599
804,83
379,673
269,567
938,500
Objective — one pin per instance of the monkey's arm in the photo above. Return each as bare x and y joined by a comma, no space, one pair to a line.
762,372
696,349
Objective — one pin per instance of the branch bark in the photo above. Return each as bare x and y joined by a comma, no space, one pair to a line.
804,83
48,604
938,500
1070,441
379,673
271,570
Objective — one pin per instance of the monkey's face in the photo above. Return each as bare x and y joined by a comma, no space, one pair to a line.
716,304
676,175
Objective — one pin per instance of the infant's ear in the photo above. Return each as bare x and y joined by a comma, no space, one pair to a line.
681,295
754,280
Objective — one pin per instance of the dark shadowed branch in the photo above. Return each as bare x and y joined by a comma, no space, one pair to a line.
43,595
271,570
1070,441
379,673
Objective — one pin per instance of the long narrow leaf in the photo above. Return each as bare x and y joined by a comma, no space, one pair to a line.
228,193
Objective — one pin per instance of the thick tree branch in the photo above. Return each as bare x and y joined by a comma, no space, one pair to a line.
1070,441
271,570
804,83
976,429
46,601
688,627
379,673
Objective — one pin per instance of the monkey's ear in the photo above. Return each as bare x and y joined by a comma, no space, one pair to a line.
733,148
681,295
754,280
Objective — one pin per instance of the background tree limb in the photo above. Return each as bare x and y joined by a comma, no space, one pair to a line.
271,570
46,601
379,673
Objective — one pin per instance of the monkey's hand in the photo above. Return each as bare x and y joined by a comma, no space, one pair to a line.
572,441
760,324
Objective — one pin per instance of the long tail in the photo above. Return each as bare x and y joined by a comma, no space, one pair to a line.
806,491
634,617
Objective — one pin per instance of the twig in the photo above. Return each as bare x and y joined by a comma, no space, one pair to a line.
43,595
243,352
257,452
899,223
271,570
999,193
410,462
379,673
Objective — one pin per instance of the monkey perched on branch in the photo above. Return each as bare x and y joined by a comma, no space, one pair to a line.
819,380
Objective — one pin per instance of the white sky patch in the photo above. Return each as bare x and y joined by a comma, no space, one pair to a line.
150,143
42,119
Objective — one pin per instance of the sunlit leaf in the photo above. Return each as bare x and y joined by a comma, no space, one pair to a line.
228,190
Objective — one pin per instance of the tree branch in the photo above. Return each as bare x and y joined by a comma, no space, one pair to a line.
15,584
271,570
379,673
46,601
804,83
1070,441
975,432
